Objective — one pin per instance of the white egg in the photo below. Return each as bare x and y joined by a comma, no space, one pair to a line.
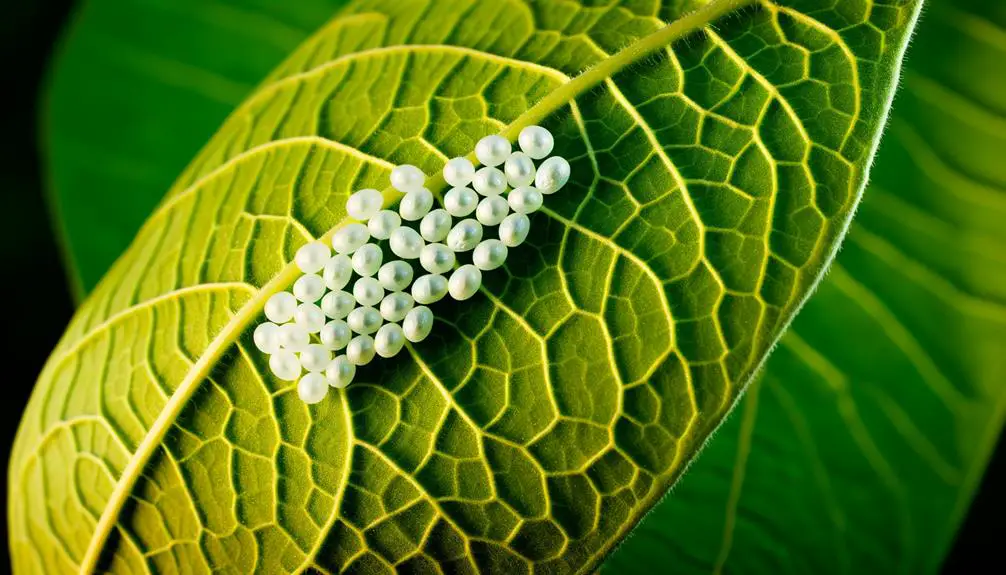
338,304
458,171
513,229
311,257
525,200
406,243
492,210
395,275
417,324
536,142
394,306
389,340
492,150
406,178
335,335
436,258
489,182
309,288
312,388
368,291
429,288
416,204
435,225
383,223
459,202
519,169
489,255
360,350
340,372
310,317
364,320
337,271
266,336
349,238
293,337
465,235
280,306
285,365
464,282
367,260
362,205
552,175
315,357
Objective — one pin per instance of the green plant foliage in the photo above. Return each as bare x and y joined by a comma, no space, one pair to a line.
860,448
714,173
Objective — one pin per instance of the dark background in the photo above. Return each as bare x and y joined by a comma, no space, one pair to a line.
38,303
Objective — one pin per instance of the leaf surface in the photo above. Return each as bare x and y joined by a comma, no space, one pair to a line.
715,171
860,448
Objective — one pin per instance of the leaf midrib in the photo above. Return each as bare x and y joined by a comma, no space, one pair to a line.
558,98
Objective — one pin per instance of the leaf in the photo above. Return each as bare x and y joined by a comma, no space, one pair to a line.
860,449
712,182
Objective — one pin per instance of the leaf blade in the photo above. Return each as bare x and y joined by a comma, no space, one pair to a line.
563,444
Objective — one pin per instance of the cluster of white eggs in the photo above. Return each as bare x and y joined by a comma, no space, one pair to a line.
361,303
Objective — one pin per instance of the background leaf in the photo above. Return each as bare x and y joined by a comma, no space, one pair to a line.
860,448
455,457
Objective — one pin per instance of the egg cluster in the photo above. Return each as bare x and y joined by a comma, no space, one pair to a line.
359,302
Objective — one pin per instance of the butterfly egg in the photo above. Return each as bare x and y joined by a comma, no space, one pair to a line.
315,357
310,317
293,337
337,271
364,320
489,182
280,306
360,350
536,142
513,229
492,150
310,258
552,175
394,306
458,172
340,372
416,204
309,288
368,291
436,258
406,243
349,238
465,235
383,223
337,304
429,288
395,275
285,365
312,388
406,178
362,205
492,210
417,324
459,202
367,260
464,282
266,337
525,200
435,225
389,340
519,169
335,335
489,255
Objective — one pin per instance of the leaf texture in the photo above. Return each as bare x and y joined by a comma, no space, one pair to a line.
715,171
861,447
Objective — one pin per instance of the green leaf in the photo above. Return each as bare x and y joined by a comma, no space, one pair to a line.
715,171
860,448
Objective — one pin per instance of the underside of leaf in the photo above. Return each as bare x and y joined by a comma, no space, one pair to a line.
717,158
